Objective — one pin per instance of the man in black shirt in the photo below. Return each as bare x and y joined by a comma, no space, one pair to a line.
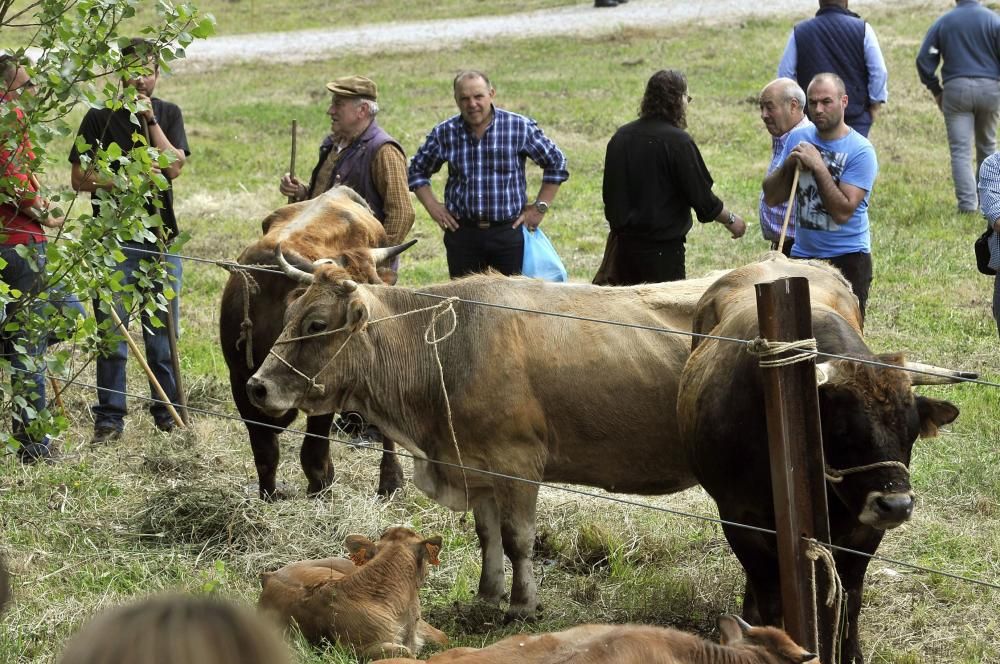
653,176
163,123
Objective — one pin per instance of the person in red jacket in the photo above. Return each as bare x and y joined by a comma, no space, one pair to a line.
23,213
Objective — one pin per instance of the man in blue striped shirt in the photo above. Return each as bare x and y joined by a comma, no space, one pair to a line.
989,200
485,197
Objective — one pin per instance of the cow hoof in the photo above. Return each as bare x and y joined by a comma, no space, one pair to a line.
316,489
520,614
279,492
390,480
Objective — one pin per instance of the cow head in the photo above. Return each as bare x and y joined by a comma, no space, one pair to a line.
735,632
871,418
313,364
424,550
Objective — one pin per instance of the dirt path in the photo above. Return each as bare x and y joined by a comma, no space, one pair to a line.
581,19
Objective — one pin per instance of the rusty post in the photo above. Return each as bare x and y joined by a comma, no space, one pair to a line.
797,466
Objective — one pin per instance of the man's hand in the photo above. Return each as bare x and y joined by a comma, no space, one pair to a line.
440,214
937,100
52,221
145,103
807,156
293,187
738,227
530,217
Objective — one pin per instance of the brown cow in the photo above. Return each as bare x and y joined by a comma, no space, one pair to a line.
869,415
337,225
530,396
373,607
633,644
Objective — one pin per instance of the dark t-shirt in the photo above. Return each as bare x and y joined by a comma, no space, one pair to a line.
653,177
102,126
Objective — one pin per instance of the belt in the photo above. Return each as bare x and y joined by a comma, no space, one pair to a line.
483,224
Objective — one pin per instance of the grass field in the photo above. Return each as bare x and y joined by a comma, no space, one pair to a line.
179,511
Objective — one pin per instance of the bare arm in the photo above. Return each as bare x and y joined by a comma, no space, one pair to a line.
840,200
435,208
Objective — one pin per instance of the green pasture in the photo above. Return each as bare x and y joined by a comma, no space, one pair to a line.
179,511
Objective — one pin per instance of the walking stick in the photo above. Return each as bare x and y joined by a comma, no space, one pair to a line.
145,367
291,166
788,209
175,358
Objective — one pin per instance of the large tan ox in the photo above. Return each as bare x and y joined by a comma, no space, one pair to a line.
633,644
337,225
870,420
531,396
369,603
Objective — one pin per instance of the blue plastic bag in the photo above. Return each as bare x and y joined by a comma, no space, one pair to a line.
540,257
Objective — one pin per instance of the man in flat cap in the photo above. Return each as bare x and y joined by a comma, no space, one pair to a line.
360,154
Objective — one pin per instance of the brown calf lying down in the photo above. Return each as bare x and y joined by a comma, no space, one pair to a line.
368,602
633,644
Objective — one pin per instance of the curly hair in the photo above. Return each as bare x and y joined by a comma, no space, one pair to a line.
664,98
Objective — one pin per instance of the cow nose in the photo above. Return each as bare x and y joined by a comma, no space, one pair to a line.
894,507
257,391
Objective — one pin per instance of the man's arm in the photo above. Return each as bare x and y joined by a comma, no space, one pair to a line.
878,75
840,200
777,185
530,216
928,59
789,59
426,162
389,175
159,139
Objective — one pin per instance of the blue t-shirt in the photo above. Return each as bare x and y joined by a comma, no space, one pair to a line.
851,160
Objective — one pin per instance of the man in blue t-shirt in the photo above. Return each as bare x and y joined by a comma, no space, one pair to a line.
838,169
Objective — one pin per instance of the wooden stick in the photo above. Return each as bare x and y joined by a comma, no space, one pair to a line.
291,165
57,394
788,209
145,367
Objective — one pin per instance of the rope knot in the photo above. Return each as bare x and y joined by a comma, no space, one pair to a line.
806,350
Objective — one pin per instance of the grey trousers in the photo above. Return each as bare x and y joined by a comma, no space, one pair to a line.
971,107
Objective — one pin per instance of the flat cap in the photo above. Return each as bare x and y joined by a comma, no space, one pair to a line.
353,86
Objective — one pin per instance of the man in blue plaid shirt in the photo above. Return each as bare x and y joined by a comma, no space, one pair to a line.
485,197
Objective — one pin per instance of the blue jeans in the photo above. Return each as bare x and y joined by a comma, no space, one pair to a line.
971,107
28,376
110,409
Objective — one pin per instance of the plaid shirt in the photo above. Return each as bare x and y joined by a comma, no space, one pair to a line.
989,201
486,179
771,218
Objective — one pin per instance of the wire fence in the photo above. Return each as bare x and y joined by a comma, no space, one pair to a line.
564,488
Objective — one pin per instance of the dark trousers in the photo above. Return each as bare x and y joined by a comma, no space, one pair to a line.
642,261
471,249
857,268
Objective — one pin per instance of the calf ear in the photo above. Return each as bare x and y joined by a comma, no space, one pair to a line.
360,549
730,630
934,413
430,548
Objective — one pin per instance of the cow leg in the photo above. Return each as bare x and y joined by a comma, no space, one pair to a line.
517,529
756,552
263,438
491,580
315,454
390,472
852,569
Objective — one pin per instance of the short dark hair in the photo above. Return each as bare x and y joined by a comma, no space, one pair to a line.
140,51
664,98
8,66
470,73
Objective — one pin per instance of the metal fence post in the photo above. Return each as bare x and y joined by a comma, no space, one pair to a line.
797,466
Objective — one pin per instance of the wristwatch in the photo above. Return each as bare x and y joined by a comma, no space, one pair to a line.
541,206
731,219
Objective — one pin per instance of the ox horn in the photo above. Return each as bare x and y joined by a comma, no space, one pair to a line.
290,270
385,254
932,375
